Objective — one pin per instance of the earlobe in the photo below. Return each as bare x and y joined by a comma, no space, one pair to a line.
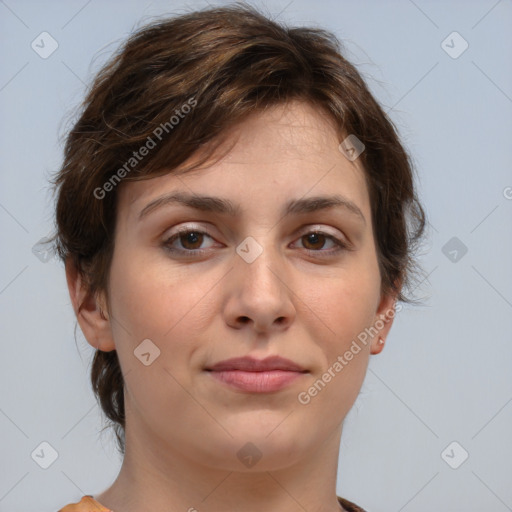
89,310
383,322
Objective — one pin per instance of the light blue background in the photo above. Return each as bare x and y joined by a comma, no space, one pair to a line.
445,374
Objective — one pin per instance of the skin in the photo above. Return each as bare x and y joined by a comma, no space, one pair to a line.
184,428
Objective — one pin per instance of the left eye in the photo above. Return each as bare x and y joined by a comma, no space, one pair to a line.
187,237
191,241
318,238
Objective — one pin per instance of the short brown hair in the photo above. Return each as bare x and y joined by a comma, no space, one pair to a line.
224,64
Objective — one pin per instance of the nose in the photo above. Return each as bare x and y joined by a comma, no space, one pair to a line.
259,295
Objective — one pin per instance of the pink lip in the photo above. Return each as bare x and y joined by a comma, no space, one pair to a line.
254,375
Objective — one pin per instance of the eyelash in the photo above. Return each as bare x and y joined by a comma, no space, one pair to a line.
195,253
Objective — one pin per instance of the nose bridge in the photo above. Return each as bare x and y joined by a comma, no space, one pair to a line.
258,265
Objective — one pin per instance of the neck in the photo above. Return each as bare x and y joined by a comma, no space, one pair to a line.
157,477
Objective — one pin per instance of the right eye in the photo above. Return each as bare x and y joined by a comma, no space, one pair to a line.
190,240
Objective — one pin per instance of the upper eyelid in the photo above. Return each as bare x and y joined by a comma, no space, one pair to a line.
335,238
307,228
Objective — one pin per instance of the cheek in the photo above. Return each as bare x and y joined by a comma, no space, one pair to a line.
153,297
346,307
149,302
346,302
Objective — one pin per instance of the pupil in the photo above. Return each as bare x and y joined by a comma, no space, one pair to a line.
313,238
191,238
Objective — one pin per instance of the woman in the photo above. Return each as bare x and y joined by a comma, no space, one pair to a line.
237,219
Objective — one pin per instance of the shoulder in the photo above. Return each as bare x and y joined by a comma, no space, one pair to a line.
86,504
89,504
349,506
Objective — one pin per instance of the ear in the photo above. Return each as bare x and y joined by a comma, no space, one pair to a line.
383,321
89,310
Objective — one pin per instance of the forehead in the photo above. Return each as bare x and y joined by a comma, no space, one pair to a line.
287,151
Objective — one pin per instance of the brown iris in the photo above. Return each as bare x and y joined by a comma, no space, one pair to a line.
194,238
314,238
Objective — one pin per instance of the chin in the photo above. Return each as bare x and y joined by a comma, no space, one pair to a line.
257,448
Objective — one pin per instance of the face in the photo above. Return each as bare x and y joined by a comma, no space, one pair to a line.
202,286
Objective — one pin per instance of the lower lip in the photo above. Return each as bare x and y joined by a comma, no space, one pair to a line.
257,382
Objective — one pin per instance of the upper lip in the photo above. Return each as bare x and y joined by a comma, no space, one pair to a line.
251,364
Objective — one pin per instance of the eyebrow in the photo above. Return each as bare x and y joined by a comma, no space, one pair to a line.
225,206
